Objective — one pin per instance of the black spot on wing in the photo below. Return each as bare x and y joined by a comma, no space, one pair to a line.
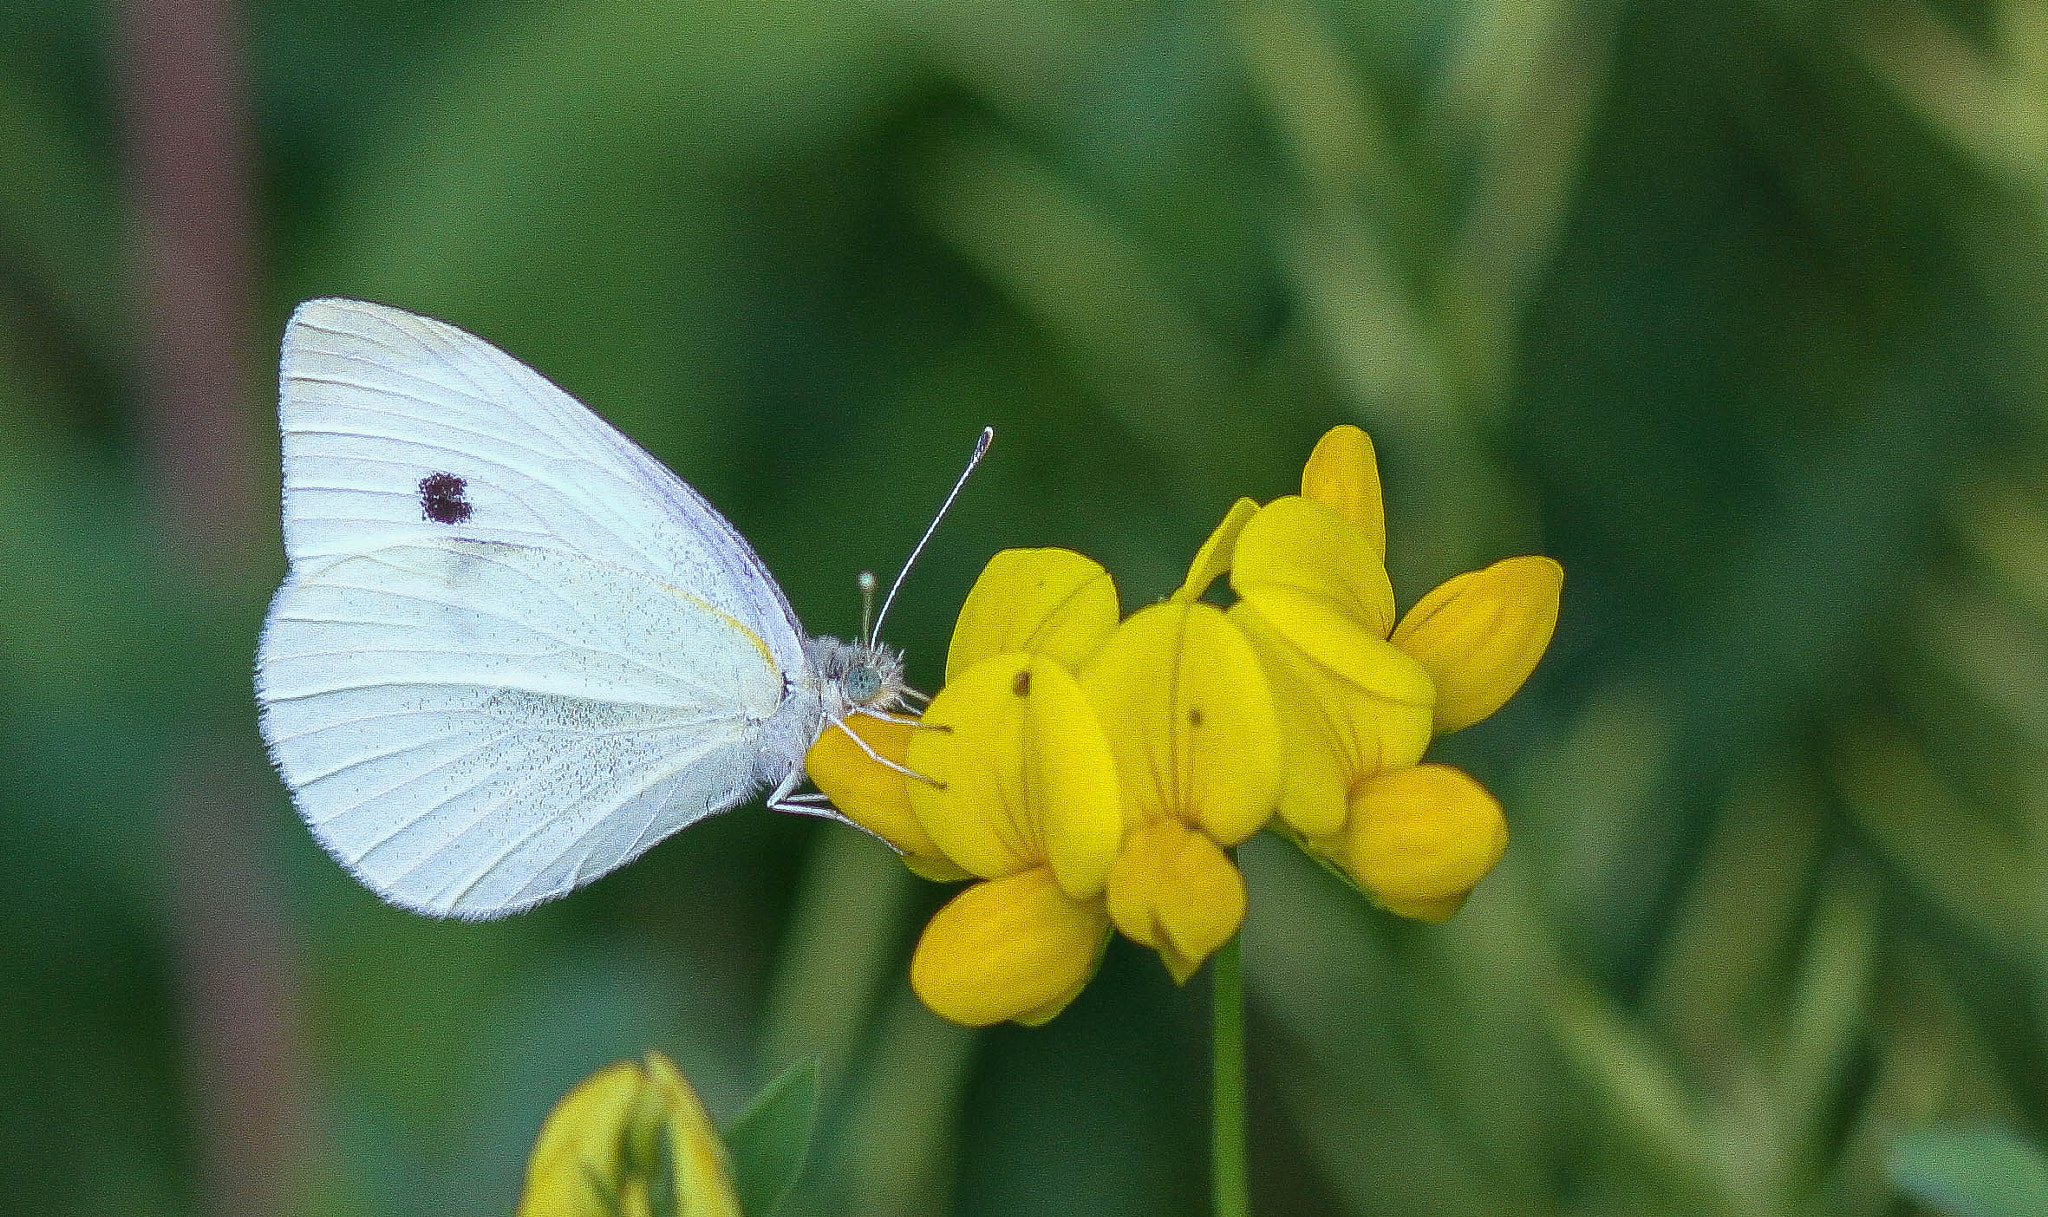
441,498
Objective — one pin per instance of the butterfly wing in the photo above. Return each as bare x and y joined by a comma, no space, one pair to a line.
473,727
512,651
399,428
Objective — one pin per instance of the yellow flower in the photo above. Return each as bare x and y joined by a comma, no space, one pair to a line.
1480,634
1020,775
1088,773
1422,838
1316,606
1180,696
622,1133
1023,794
1336,729
1360,694
1212,561
1050,602
1175,891
1016,788
1311,573
1343,474
1015,948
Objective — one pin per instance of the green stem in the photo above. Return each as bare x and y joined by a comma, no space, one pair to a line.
1229,1177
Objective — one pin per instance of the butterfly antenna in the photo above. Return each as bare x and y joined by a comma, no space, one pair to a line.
988,435
866,582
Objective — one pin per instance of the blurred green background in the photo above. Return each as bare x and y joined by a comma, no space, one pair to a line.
1739,309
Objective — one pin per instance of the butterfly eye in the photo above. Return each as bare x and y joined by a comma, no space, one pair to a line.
862,684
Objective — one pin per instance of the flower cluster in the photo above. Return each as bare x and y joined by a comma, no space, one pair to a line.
1089,770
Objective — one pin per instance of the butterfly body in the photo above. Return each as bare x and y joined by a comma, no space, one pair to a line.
513,651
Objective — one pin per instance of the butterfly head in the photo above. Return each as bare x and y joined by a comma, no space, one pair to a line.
859,675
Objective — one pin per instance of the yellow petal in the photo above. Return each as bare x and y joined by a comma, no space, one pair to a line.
581,1140
873,795
697,1159
1204,906
1311,574
1336,729
1343,474
1023,775
607,1137
1481,633
1174,891
1011,948
1180,695
1215,555
1051,602
1135,880
1422,838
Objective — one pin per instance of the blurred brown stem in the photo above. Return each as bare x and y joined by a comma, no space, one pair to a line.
187,135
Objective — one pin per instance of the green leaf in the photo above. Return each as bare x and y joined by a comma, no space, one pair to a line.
771,1139
1972,1172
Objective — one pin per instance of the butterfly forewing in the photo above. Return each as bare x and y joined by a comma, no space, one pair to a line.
400,428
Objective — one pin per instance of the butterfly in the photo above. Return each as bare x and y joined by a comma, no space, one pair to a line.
512,651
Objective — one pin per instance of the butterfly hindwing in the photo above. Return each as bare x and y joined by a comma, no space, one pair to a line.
473,727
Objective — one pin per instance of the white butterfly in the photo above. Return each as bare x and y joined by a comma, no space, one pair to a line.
512,650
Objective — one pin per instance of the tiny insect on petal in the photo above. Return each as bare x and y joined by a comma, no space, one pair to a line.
1343,474
1012,948
1481,633
1422,838
1215,556
1182,699
1051,602
1021,775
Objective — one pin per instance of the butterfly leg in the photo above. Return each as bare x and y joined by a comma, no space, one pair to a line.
899,719
784,799
877,757
815,804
